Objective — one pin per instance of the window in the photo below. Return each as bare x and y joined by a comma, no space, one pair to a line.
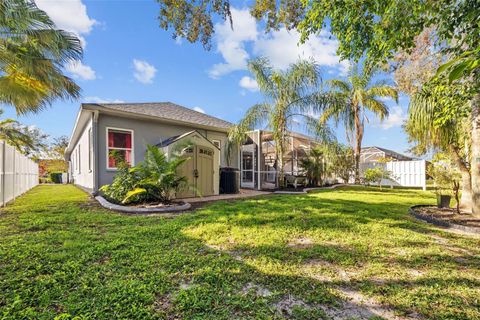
119,147
79,159
90,150
217,143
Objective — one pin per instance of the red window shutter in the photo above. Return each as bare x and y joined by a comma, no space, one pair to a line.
128,138
110,139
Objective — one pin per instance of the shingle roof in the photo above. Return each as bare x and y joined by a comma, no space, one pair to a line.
168,111
172,139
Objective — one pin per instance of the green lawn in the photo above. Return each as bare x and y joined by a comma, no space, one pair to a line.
297,256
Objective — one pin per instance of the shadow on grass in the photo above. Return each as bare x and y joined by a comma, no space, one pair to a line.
62,257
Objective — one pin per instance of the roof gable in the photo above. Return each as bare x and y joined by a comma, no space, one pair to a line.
176,138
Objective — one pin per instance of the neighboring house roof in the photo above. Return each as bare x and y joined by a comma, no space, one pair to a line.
387,152
167,111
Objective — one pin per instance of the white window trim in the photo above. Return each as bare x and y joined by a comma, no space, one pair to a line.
79,159
106,147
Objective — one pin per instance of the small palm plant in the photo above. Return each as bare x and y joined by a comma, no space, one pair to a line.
155,179
291,96
350,101
314,167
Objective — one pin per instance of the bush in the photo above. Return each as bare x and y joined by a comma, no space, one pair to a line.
155,179
56,177
376,175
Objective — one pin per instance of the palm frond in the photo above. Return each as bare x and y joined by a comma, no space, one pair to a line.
383,91
262,71
378,107
340,85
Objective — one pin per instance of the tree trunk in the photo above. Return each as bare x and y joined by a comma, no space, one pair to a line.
475,164
466,199
358,144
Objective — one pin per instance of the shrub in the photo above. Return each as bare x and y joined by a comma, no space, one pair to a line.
56,177
155,179
446,177
376,175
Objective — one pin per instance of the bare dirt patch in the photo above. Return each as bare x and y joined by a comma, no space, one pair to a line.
256,289
358,306
164,307
286,306
301,243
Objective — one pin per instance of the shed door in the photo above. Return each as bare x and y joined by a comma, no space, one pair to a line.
199,171
187,169
205,171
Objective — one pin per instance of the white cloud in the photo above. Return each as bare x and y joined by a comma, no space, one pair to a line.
144,72
281,47
94,99
231,42
198,109
248,83
81,71
69,15
395,119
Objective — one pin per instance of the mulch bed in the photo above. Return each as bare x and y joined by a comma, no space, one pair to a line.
450,215
447,217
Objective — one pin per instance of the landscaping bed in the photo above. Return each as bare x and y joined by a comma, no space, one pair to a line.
144,208
448,217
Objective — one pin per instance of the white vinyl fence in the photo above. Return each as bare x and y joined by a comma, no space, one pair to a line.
18,173
404,173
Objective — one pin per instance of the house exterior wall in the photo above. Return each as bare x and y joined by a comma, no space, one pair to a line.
146,132
81,159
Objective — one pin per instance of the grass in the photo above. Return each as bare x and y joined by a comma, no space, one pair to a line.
279,256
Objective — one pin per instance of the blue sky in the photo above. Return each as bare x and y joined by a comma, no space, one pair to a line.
128,58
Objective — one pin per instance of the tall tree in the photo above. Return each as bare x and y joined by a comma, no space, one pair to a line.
57,148
352,98
290,96
33,54
28,140
438,120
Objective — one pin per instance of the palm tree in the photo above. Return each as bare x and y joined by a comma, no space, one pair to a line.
314,166
290,97
32,55
350,101
431,128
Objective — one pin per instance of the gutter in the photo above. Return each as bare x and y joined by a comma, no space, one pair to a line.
95,150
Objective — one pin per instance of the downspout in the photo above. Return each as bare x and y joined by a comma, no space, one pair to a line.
95,150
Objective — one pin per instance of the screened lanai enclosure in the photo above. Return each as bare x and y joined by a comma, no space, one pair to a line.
259,163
